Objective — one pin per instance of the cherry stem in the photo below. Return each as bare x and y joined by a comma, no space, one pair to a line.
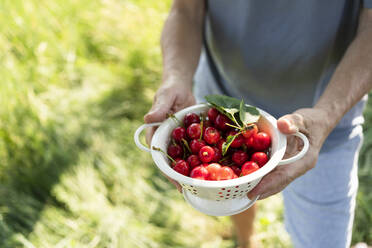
160,150
223,159
174,118
201,127
186,145
236,122
249,126
228,124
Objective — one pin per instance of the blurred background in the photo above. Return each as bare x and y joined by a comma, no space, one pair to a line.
76,78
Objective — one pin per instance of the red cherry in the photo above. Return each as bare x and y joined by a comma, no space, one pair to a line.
194,131
221,121
190,118
212,114
206,154
179,133
175,151
207,123
249,167
225,173
238,141
220,143
226,161
249,142
196,145
251,130
236,170
260,158
218,172
200,172
261,141
193,161
176,160
239,157
217,155
211,135
182,167
213,170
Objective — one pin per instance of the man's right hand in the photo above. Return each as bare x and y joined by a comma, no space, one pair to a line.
170,98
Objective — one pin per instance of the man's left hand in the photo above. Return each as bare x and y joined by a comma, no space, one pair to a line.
314,124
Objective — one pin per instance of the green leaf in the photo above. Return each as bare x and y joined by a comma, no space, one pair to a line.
226,145
223,101
224,104
231,111
231,106
242,112
248,114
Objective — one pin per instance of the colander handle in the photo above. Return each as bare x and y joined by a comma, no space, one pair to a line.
301,153
139,131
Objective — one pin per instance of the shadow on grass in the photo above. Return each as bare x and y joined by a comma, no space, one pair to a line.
34,157
34,153
128,99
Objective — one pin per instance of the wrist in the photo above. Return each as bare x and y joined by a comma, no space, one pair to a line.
177,81
316,125
331,112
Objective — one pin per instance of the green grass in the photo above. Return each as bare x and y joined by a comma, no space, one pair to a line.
76,79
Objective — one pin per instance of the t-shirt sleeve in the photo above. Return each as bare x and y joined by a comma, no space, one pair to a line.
367,3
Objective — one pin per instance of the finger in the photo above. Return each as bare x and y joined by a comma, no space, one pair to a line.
270,184
289,124
163,103
282,176
175,183
149,133
294,145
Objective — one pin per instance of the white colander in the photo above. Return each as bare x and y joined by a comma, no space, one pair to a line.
219,198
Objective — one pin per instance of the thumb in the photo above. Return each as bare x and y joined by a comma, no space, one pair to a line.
160,108
292,123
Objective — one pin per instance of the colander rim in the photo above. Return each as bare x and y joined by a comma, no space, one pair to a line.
161,161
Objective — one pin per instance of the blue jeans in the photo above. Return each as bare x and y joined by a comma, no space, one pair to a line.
319,206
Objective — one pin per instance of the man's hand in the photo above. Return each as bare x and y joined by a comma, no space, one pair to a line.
311,122
170,98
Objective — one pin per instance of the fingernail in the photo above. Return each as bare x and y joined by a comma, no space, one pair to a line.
292,127
150,114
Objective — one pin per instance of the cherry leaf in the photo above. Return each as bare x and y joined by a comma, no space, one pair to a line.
248,114
227,143
231,106
223,101
231,111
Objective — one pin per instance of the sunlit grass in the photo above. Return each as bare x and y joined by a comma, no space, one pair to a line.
76,79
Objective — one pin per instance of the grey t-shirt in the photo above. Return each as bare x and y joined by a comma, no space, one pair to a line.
278,55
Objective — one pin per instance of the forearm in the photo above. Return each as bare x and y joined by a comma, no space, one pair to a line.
353,76
181,40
